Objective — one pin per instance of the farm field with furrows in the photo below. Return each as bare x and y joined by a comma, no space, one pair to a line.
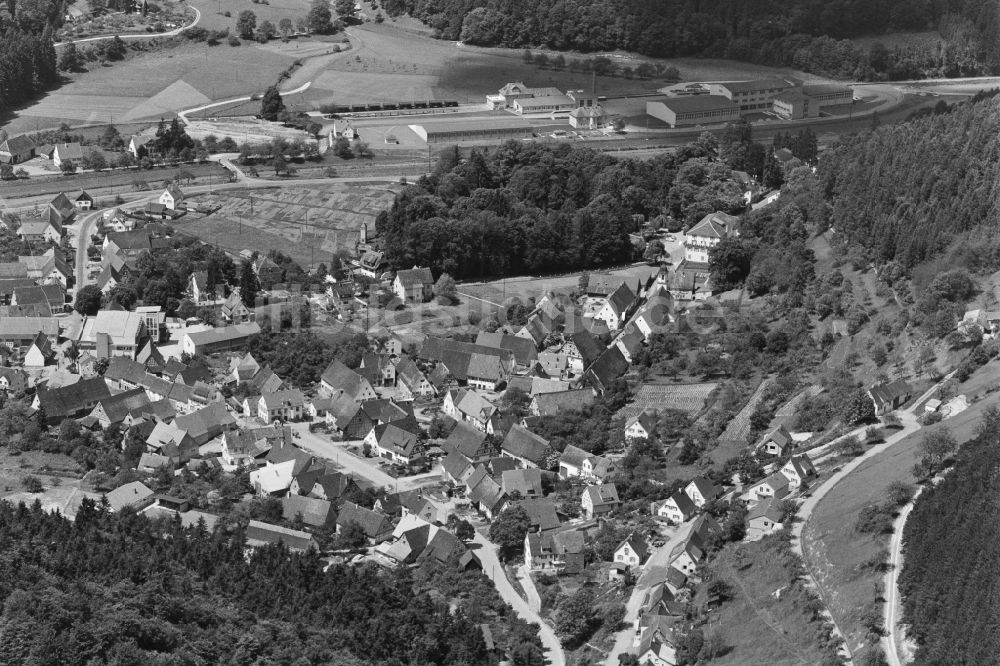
685,397
304,223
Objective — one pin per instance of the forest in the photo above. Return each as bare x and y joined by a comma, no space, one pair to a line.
807,34
120,589
951,546
910,191
531,208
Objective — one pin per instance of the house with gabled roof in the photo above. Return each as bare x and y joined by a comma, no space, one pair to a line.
524,350
273,480
571,461
283,405
706,234
71,401
169,441
469,406
40,353
375,526
603,373
599,500
798,470
17,149
702,490
525,482
534,330
340,380
469,442
117,408
776,486
13,380
777,442
556,402
233,310
413,285
642,425
529,449
313,512
632,551
396,442
889,396
581,350
615,308
67,152
410,378
172,197
260,534
763,519
677,508
135,495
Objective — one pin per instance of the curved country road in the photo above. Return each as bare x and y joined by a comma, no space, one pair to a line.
139,35
494,571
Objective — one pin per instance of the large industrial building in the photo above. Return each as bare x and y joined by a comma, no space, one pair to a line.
757,95
809,101
693,110
473,129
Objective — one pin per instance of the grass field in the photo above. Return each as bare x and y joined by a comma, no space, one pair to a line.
212,12
768,621
154,84
391,62
526,288
835,552
307,224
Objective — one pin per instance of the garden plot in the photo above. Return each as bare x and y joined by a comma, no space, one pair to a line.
307,224
688,398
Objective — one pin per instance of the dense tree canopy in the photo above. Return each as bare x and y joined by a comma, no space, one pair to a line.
529,207
951,547
806,34
117,589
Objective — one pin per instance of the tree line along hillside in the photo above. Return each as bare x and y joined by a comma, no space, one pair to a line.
121,589
907,192
808,34
951,553
525,207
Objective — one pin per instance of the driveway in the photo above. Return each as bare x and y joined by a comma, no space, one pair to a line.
653,572
487,553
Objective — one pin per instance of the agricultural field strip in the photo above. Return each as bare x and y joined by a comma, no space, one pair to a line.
739,427
685,397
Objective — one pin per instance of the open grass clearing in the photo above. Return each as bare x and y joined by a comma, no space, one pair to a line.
768,620
213,12
153,84
835,552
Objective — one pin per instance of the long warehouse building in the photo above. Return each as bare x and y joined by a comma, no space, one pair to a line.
473,129
693,110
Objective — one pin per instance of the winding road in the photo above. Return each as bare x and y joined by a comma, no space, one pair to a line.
908,418
138,35
890,642
494,570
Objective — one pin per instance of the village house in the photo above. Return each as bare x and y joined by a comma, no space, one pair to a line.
136,495
273,479
775,486
70,401
529,449
707,234
283,405
631,552
217,340
409,377
172,197
702,490
16,149
66,152
485,494
763,519
311,511
260,534
169,441
641,426
469,406
676,509
798,470
599,500
889,396
40,353
414,285
776,443
376,526
137,145
396,442
524,482
338,379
